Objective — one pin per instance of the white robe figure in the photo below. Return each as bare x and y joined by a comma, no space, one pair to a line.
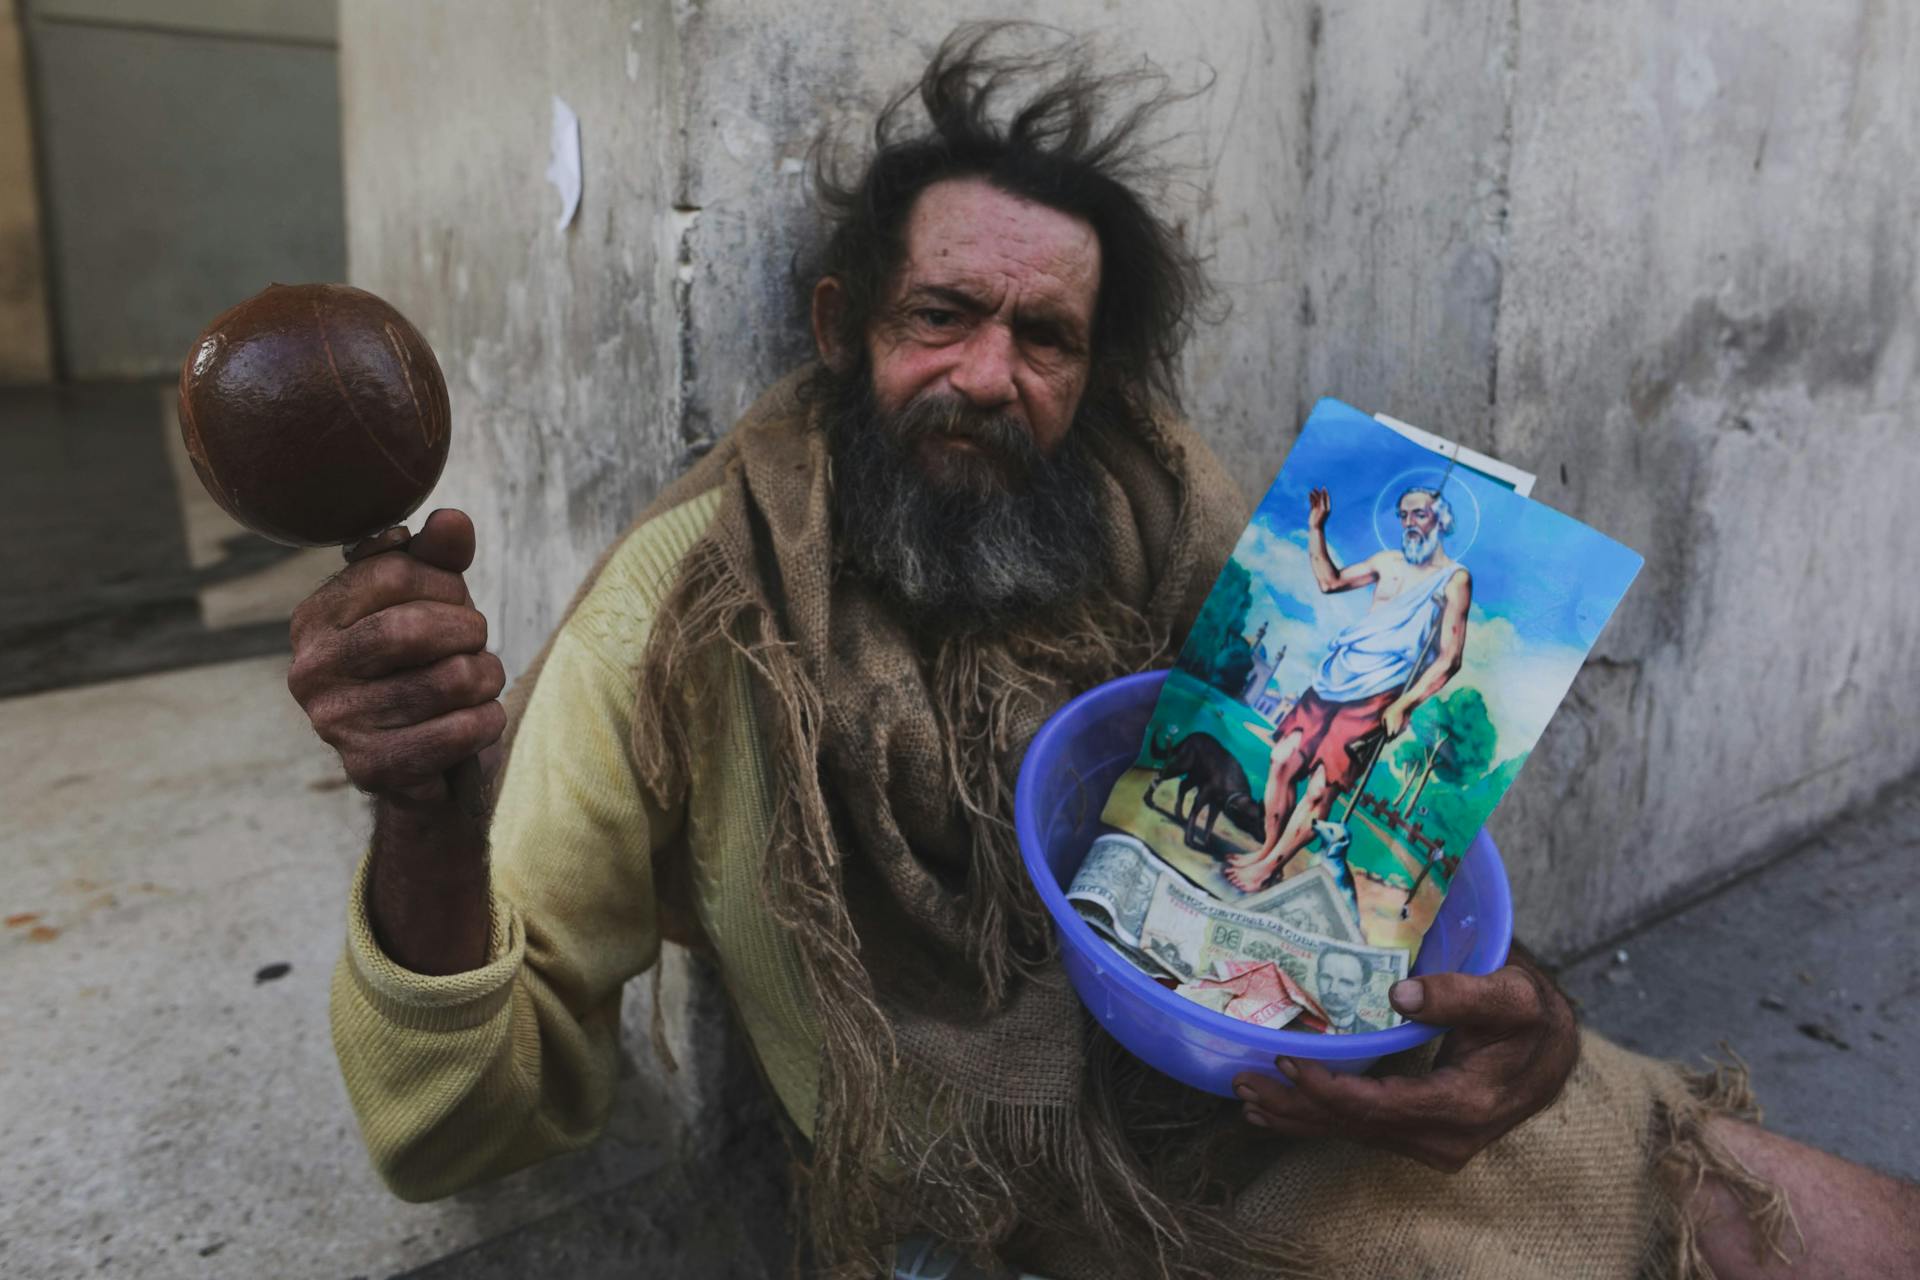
1385,649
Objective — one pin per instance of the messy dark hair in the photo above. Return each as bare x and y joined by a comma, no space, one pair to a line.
1078,143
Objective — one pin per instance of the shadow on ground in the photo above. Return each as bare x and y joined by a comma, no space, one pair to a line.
98,580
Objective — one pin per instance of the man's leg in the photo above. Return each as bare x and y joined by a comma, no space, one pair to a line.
1287,758
1312,808
1252,875
1852,1221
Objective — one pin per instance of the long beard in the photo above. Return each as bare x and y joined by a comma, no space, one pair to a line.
1418,549
978,539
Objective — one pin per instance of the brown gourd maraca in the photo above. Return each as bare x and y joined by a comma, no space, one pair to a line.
314,414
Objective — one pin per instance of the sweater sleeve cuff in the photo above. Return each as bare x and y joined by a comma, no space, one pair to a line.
427,1002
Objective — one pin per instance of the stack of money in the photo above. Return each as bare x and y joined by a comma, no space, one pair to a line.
1293,955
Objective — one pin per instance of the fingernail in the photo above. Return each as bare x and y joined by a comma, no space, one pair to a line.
1254,1117
1246,1094
1288,1068
1408,995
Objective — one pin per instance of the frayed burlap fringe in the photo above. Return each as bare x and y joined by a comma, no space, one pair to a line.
901,1142
714,604
983,695
970,1170
1686,1157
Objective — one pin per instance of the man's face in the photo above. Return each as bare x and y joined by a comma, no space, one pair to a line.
993,309
1419,527
1341,980
962,486
1417,514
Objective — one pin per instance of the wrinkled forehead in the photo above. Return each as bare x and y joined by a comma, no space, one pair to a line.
966,236
1418,500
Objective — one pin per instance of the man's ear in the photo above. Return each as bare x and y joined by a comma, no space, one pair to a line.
829,311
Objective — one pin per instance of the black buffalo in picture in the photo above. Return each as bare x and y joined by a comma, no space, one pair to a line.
1208,772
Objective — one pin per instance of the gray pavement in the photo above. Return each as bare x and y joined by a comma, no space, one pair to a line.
116,562
172,843
1808,969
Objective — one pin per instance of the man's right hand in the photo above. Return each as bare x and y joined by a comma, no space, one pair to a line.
390,663
1319,503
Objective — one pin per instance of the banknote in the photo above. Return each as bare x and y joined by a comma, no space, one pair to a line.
1257,993
1097,919
1115,884
1311,902
1190,933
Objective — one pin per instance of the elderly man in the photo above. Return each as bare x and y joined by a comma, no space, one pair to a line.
781,721
1377,672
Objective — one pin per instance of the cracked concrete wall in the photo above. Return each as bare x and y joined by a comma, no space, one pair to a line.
559,348
587,367
1662,258
1708,349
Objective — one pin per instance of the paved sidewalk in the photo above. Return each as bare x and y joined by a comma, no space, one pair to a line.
1809,969
173,871
117,562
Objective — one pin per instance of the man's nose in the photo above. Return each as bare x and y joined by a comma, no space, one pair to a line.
984,373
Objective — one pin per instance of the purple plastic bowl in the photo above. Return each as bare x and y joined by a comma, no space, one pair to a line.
1070,767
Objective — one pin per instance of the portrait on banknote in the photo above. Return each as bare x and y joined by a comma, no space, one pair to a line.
1368,675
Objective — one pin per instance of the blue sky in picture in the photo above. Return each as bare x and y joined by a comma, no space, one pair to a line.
1543,584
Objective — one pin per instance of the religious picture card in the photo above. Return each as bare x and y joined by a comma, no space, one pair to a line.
1371,670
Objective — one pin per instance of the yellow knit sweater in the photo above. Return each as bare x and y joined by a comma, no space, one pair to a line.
462,1078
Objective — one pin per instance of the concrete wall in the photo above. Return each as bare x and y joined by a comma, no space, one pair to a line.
586,366
192,156
1664,260
26,353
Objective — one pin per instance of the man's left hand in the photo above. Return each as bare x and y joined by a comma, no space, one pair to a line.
1511,1046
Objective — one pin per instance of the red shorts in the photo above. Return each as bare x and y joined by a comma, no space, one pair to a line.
1328,729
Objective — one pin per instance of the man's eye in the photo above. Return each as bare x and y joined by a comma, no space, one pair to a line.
1046,338
936,317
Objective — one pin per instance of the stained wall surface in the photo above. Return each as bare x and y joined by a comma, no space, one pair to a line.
1664,259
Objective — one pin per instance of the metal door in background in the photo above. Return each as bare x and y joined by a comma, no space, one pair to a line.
190,155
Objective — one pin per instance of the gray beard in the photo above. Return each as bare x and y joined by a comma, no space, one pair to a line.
986,542
1418,550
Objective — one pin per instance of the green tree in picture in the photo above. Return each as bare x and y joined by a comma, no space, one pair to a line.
1451,738
1218,639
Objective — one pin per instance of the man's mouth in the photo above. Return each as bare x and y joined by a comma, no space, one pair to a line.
970,452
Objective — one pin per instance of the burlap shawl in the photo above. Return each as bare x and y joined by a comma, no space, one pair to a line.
963,1090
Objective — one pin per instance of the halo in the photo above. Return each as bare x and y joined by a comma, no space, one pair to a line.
1466,508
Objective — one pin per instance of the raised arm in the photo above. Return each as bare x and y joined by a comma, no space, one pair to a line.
462,1076
1330,577
390,664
